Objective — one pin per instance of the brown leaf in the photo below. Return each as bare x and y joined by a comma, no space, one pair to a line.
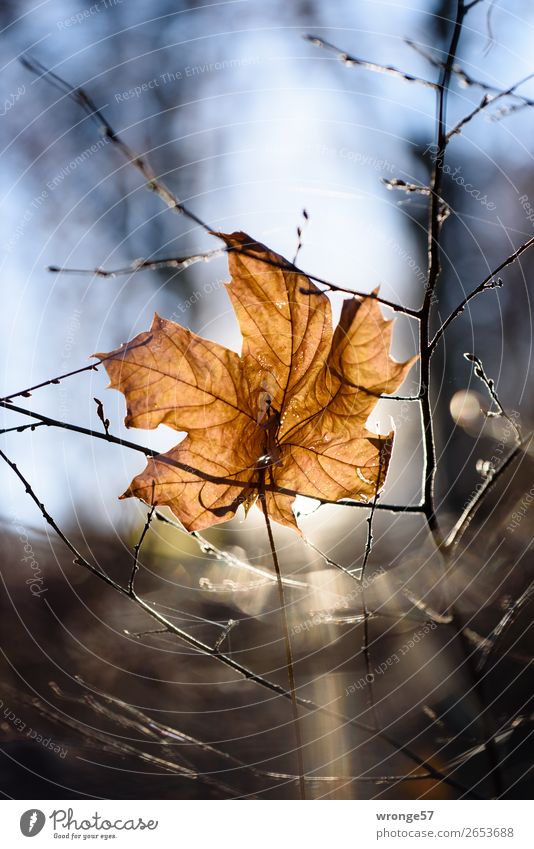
289,412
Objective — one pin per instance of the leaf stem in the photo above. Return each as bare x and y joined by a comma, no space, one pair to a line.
365,610
287,641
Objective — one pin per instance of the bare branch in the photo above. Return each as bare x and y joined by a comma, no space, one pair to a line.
225,633
227,557
365,609
79,96
179,262
300,230
25,393
488,283
184,262
409,188
21,428
243,671
150,452
137,547
333,287
155,185
490,386
484,103
435,222
507,620
467,516
466,79
290,669
353,61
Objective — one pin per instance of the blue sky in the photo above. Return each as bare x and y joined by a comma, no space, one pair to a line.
266,125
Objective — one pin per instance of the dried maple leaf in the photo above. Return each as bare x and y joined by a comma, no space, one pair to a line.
288,414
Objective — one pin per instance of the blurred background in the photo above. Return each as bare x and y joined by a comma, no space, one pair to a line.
250,124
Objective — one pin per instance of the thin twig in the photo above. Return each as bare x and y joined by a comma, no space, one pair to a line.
300,229
467,516
334,287
21,428
226,557
464,78
490,386
488,283
148,633
420,604
403,186
287,642
283,265
353,61
109,742
365,609
25,393
143,265
79,96
486,101
139,543
225,633
507,620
